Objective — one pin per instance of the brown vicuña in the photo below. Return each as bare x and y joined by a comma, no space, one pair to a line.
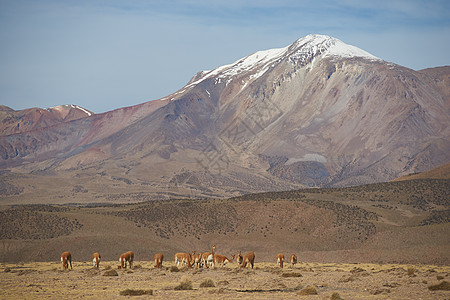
158,257
280,259
96,259
125,258
66,258
248,258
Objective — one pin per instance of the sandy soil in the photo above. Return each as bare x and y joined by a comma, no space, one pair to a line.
38,280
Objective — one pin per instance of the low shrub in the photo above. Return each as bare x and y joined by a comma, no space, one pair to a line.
357,270
379,291
336,296
292,274
411,271
25,272
185,284
174,269
223,282
111,273
309,290
207,283
443,286
130,292
347,278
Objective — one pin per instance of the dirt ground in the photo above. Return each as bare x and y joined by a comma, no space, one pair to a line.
38,280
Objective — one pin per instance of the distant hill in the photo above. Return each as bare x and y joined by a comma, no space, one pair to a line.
395,222
20,121
442,172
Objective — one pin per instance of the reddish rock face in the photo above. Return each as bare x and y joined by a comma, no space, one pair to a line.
13,122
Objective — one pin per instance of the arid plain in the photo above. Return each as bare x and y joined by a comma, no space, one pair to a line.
266,281
381,241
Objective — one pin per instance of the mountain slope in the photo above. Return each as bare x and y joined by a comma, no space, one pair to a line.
13,122
315,113
442,172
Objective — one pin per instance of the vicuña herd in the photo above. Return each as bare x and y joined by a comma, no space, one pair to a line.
199,260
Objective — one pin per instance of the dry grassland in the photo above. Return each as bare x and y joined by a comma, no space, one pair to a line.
39,280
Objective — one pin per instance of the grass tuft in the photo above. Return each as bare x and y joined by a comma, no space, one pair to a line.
292,274
336,296
130,292
174,269
357,270
111,273
347,278
309,290
185,284
411,271
207,283
25,272
443,286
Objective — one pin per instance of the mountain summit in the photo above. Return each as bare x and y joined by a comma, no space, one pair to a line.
301,52
318,112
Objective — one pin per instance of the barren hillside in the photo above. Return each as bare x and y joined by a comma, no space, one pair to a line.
395,222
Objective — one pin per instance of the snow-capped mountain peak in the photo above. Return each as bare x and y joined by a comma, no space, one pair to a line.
301,52
258,59
313,45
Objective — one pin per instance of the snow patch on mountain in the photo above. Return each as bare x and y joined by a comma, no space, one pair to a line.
83,110
258,59
67,107
307,157
311,46
303,51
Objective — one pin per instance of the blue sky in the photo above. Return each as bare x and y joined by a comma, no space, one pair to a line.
104,55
